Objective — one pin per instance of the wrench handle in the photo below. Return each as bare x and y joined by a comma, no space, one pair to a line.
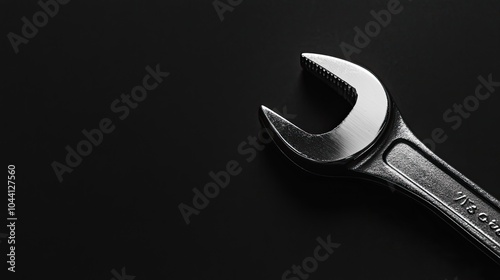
450,194
403,160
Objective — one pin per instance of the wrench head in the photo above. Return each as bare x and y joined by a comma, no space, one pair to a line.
354,135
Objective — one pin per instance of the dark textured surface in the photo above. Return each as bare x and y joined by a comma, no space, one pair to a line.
119,207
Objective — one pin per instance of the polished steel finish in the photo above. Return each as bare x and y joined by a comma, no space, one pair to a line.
357,131
373,142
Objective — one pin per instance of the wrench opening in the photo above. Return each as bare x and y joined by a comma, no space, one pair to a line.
355,134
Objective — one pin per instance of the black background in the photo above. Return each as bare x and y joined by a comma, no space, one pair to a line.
119,207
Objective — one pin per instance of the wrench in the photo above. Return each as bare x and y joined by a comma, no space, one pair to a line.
374,143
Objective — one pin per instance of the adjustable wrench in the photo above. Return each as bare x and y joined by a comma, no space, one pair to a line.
373,142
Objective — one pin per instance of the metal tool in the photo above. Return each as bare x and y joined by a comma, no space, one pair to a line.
373,142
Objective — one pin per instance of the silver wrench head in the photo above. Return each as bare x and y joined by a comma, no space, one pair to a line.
355,134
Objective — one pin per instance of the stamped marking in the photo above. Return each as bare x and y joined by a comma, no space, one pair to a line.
447,192
472,209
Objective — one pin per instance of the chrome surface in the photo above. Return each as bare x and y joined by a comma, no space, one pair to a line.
374,143
356,132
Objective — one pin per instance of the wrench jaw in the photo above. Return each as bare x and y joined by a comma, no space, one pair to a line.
328,153
281,131
382,148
